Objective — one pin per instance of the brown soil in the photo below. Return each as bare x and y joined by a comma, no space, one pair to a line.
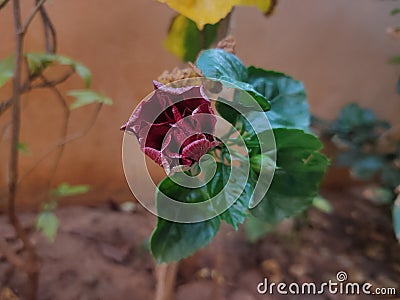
100,253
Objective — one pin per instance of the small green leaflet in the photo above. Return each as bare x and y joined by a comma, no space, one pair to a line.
395,11
23,148
6,69
86,97
47,222
322,204
37,62
395,60
65,190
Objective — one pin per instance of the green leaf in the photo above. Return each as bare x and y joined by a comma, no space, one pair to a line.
357,127
6,69
352,115
255,102
289,107
47,223
396,218
185,40
261,145
50,206
23,148
237,212
395,11
255,229
86,97
37,62
173,241
84,73
219,64
300,168
65,190
262,160
226,111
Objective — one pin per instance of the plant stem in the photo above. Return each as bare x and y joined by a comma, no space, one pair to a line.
166,277
24,27
32,259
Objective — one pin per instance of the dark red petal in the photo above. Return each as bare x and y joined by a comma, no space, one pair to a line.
177,114
186,162
153,135
154,154
196,149
193,138
172,142
174,126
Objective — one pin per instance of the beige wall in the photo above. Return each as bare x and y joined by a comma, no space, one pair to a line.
338,48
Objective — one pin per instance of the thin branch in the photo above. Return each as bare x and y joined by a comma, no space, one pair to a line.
50,35
8,274
4,3
10,255
64,129
5,105
31,16
52,83
15,126
26,88
65,141
32,259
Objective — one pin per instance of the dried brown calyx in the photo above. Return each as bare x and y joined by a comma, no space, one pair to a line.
179,74
228,44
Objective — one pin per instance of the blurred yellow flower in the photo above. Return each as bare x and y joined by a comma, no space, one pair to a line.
211,11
